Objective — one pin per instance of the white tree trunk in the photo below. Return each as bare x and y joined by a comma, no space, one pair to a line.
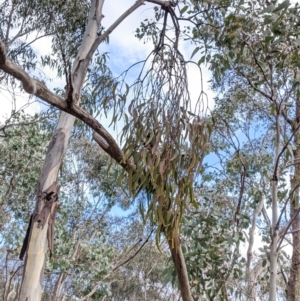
252,273
41,232
273,252
275,230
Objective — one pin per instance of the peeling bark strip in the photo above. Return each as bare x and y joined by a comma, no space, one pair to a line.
25,241
50,231
46,205
50,198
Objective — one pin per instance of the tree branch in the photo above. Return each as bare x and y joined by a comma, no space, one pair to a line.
39,89
286,228
117,265
101,38
163,4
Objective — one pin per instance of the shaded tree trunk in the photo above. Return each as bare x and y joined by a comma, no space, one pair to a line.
293,286
252,279
181,270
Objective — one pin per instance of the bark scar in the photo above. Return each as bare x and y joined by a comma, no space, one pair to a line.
49,199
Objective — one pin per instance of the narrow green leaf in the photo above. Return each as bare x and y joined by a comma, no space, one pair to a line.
201,60
268,9
184,9
283,5
195,51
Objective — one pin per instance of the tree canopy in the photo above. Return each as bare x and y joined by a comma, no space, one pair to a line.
125,185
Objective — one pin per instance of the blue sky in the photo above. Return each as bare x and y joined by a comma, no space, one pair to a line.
124,50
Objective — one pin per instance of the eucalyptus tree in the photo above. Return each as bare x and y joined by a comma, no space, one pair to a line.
258,53
161,122
245,149
220,234
89,253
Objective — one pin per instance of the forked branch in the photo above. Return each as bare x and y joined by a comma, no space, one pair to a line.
39,89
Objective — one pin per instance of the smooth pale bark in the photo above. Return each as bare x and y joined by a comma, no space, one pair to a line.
293,286
252,279
275,239
31,288
275,232
181,270
252,273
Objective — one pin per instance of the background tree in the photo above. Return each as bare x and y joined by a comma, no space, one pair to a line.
259,69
